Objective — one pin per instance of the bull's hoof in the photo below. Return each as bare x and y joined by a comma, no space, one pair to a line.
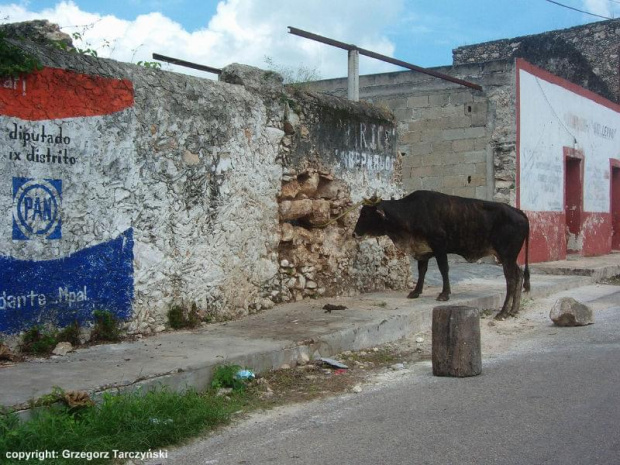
443,297
414,295
501,316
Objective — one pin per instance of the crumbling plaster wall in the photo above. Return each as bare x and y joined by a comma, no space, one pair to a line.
190,176
333,157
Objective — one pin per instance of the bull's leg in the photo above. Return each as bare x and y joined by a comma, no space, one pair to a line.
511,273
442,263
516,300
422,267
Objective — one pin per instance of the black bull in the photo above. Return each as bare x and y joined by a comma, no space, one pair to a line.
428,224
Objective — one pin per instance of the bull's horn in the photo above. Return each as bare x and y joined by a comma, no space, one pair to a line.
371,202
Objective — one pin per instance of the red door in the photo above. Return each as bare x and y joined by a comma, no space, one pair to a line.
615,207
573,202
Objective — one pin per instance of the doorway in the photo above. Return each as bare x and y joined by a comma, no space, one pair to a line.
615,205
573,200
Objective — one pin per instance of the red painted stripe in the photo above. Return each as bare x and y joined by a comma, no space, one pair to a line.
56,93
596,230
547,236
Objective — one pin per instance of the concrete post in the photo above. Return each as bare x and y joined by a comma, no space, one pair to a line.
354,75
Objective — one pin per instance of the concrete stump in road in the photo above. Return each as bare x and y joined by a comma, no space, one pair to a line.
456,349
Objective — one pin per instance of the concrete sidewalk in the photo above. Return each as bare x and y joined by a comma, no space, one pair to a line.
281,335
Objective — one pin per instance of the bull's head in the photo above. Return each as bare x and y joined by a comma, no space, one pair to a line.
371,221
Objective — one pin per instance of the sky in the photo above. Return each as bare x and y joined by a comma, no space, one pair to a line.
255,32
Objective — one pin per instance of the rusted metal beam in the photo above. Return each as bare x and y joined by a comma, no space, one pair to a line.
187,64
378,56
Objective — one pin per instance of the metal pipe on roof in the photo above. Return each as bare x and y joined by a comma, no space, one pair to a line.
378,56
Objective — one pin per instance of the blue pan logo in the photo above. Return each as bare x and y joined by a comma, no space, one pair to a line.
36,208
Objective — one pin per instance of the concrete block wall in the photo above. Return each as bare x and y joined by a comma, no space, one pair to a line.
448,134
444,141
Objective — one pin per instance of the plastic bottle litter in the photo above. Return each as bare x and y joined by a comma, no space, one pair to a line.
245,374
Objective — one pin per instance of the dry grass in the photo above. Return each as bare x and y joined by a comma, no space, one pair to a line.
614,280
318,379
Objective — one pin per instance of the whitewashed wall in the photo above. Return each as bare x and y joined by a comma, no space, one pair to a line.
170,200
554,116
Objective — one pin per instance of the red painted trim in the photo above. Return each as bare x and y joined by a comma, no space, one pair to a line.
553,79
570,152
574,219
57,93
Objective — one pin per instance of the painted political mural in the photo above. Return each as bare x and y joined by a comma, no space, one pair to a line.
66,147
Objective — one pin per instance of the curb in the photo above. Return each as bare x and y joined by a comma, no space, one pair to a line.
379,330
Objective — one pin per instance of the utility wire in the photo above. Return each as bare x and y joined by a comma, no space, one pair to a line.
575,9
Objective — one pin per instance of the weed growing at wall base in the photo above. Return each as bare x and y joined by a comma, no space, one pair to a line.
121,426
38,341
107,327
180,317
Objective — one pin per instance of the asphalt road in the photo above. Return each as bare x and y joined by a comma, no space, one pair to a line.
553,398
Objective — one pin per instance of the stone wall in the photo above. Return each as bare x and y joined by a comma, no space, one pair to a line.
133,190
335,153
586,55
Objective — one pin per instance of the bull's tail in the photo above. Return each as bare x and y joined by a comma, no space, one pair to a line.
526,272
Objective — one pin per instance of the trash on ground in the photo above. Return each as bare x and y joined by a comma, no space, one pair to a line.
334,363
157,421
245,374
78,399
329,307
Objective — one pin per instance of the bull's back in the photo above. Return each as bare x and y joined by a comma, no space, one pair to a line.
468,227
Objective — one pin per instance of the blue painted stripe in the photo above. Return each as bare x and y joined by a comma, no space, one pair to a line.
67,289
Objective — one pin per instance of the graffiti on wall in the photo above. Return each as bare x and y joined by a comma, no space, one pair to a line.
63,251
370,148
352,159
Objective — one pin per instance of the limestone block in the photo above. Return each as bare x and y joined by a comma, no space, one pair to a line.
570,312
290,190
251,77
308,183
62,348
330,189
288,232
305,236
295,209
320,212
